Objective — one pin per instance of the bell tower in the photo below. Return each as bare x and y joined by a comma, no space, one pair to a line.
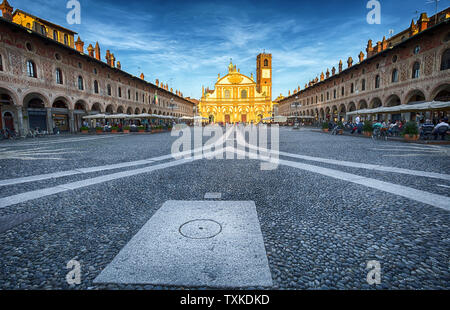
264,74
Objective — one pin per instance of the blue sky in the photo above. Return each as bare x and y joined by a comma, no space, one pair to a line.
187,43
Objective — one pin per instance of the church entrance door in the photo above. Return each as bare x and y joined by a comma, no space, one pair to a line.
227,119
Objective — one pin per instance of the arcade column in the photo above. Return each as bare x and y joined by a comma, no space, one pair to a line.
49,120
71,122
20,121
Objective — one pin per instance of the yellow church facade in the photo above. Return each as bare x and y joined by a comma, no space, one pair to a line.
237,98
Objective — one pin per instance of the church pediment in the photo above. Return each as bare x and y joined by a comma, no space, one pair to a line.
235,79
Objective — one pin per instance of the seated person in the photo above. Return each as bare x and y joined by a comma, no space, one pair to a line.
377,126
426,127
441,129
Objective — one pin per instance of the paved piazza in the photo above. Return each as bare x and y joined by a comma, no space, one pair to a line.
136,218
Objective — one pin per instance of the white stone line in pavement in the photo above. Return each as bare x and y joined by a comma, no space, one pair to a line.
435,200
442,185
409,155
431,199
213,196
60,174
72,172
60,140
27,196
433,175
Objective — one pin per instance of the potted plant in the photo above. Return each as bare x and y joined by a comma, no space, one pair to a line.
325,126
341,128
410,131
126,129
114,129
98,129
368,128
84,130
141,129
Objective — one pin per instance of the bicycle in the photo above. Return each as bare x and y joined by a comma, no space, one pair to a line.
336,130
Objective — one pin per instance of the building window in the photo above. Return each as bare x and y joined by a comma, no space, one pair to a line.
80,83
394,58
129,95
143,98
109,89
59,77
43,31
66,39
342,91
395,76
96,87
445,63
137,96
266,63
416,70
334,94
31,69
120,92
227,94
352,88
377,81
363,85
244,94
1,63
328,96
55,35
417,50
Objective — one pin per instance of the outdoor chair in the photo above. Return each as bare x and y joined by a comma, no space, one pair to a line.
427,133
441,132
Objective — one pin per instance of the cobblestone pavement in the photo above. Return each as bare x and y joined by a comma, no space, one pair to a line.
323,215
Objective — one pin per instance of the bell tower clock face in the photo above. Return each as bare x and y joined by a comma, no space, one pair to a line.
266,74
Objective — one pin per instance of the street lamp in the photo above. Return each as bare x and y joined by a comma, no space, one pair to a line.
296,105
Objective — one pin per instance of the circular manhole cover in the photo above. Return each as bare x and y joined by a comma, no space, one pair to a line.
200,229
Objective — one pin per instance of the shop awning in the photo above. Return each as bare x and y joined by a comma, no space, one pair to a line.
96,116
418,107
280,119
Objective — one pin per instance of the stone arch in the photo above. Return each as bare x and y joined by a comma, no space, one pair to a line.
109,109
130,111
392,101
137,111
144,111
415,95
6,92
327,112
80,105
120,110
34,96
97,107
322,113
351,107
441,93
362,105
62,102
375,103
